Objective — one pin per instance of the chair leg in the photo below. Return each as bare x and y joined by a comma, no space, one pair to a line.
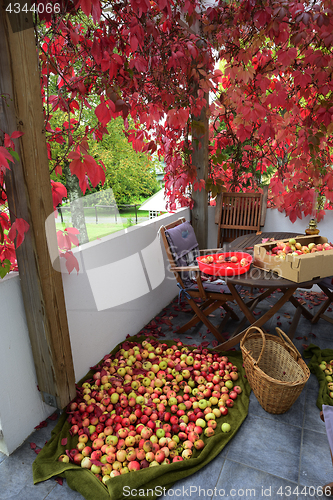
237,335
229,311
201,315
208,306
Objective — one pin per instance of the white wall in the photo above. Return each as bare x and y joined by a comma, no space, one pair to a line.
123,283
279,222
21,407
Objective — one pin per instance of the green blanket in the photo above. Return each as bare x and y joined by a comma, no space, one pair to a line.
317,355
145,483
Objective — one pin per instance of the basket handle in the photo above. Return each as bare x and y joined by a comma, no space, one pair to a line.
248,334
288,342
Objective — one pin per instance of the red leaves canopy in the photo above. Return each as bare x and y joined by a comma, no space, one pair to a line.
85,165
58,192
274,108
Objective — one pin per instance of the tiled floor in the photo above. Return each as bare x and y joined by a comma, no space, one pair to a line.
272,456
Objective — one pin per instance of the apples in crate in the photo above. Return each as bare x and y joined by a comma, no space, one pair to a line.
298,259
293,247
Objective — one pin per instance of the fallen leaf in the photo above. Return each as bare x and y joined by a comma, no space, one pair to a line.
41,425
54,416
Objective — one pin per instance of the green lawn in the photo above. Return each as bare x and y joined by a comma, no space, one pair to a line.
96,231
125,218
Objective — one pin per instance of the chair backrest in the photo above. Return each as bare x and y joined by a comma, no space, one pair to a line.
238,214
181,248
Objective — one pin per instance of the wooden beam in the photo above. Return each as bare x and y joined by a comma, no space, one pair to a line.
29,197
200,134
264,205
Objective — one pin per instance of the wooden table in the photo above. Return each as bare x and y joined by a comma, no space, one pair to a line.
269,282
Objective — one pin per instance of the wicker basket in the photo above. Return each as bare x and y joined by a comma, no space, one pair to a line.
274,368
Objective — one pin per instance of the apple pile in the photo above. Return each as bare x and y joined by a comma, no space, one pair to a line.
281,249
328,370
149,405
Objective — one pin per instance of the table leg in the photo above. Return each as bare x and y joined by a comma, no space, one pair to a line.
251,304
248,314
306,313
238,299
294,323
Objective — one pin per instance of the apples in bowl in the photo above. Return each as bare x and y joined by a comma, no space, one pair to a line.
225,264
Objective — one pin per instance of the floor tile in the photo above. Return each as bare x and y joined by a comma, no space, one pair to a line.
63,492
316,465
312,419
271,446
240,481
16,477
294,416
41,436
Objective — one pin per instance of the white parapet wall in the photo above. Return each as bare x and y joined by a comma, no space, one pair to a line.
279,222
122,284
21,407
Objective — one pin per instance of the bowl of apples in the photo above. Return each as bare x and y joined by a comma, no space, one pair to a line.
225,264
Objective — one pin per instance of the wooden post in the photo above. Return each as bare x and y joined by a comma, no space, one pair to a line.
29,196
264,205
200,134
200,140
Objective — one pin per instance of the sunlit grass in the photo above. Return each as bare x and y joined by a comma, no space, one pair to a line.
96,231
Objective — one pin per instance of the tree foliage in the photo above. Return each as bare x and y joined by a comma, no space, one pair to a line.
155,62
131,175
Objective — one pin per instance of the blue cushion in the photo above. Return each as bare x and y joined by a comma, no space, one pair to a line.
184,247
182,240
217,286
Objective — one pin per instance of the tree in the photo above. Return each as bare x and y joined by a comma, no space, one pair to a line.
131,175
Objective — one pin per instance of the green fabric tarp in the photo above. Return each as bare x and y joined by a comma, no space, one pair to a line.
317,355
152,480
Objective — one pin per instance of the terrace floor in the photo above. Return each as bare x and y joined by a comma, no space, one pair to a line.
271,456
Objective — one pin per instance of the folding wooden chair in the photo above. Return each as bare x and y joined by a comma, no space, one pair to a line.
326,285
182,249
237,214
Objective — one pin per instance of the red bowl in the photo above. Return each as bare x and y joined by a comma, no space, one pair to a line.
226,268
